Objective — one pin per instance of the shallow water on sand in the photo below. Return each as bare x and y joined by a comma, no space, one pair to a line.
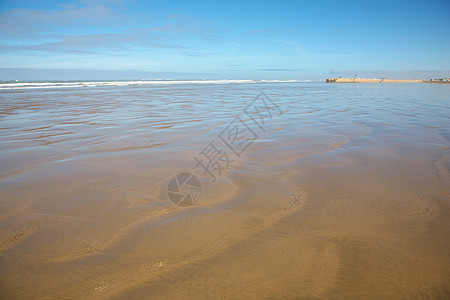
342,192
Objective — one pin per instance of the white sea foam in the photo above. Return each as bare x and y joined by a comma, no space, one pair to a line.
71,84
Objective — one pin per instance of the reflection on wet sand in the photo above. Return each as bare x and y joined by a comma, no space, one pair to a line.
344,196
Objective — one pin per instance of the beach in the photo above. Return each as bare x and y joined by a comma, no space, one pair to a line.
336,191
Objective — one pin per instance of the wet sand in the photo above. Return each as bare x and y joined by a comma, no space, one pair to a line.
346,195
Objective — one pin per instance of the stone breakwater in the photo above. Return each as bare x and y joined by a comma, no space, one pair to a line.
372,80
382,80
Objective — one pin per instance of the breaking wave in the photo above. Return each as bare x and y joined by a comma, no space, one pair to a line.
71,84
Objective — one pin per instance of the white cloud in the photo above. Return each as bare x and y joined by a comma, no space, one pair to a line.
31,22
94,28
297,47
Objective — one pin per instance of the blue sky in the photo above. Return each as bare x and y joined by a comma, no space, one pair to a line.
225,39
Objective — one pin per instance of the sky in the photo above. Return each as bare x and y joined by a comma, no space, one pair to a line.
89,39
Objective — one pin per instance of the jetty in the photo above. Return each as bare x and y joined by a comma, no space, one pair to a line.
384,80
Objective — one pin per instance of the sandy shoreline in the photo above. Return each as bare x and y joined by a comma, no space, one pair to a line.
344,196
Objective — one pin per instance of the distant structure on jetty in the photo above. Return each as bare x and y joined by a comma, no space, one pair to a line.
384,80
441,80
